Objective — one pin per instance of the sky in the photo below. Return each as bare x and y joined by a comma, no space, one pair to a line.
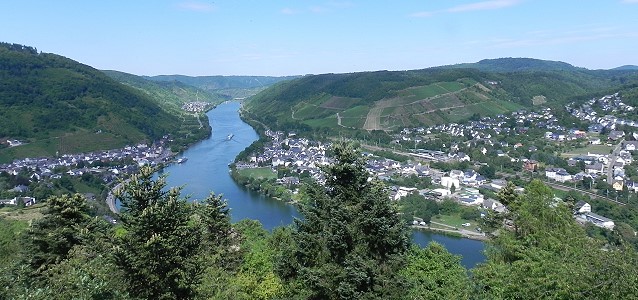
297,37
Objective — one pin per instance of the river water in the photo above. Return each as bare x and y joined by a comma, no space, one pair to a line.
206,171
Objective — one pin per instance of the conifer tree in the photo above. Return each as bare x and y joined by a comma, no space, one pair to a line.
162,247
49,240
352,242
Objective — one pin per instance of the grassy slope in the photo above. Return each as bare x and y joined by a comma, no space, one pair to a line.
427,97
57,104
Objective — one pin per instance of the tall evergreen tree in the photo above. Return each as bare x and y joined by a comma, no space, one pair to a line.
49,240
161,249
351,242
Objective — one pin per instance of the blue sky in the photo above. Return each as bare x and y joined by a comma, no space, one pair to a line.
311,37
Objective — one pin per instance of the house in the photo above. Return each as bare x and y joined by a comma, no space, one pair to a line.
598,220
448,182
402,192
615,135
631,145
617,185
595,168
595,128
582,207
20,189
563,176
498,184
595,141
457,174
530,165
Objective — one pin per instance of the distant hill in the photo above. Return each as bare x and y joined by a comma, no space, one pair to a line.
55,104
225,86
516,65
387,100
626,67
171,95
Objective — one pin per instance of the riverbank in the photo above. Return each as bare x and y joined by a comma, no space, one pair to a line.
462,233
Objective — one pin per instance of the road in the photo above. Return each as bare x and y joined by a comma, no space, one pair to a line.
464,232
612,160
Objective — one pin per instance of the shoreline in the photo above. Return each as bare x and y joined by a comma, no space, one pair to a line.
456,233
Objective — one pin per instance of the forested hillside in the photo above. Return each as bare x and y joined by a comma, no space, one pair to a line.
55,104
171,95
225,86
387,100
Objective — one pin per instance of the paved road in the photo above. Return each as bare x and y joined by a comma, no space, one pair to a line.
612,160
465,233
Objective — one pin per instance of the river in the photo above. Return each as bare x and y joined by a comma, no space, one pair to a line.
206,171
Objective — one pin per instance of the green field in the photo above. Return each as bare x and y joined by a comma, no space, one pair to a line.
428,91
330,121
600,149
451,86
355,112
453,220
265,172
353,122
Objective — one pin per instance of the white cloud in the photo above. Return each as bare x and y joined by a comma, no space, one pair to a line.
485,5
196,6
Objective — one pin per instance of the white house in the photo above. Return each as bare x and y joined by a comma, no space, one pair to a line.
403,191
582,207
631,145
448,182
598,220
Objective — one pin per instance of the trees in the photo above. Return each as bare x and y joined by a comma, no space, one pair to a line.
49,240
351,242
549,256
161,249
434,273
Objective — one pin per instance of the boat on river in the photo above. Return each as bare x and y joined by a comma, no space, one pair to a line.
182,160
230,137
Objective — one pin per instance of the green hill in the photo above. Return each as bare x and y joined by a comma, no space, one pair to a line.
387,100
225,86
171,95
55,104
510,64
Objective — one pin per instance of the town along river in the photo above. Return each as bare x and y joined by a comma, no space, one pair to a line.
206,170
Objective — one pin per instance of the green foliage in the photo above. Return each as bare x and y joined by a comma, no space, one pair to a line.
449,207
415,205
434,273
549,256
49,240
10,230
171,95
160,251
351,242
45,96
